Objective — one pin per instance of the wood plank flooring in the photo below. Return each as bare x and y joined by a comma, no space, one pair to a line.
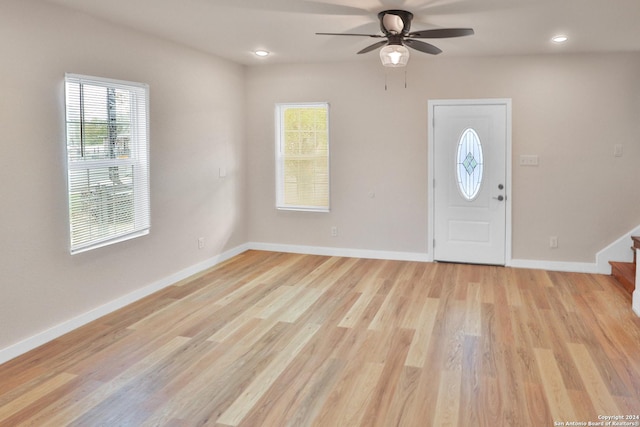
274,339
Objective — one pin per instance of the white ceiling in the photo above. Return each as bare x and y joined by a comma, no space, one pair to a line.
233,29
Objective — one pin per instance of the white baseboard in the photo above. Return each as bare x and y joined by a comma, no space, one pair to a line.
37,340
342,252
636,293
54,332
616,251
572,267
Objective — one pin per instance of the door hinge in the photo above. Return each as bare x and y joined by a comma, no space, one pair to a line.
434,243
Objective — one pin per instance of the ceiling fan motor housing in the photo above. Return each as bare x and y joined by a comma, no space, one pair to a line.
395,22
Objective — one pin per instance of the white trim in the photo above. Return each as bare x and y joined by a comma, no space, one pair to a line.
76,163
105,82
432,103
37,340
341,252
636,293
50,334
280,156
571,267
616,251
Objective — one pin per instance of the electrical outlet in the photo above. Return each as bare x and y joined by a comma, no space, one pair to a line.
553,242
334,231
200,242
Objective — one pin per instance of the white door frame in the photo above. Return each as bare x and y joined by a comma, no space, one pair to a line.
431,164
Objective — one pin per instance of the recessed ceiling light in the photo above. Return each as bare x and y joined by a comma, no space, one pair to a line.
261,53
560,38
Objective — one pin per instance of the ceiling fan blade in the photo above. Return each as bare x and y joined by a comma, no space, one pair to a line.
295,6
349,34
422,46
458,7
441,33
373,47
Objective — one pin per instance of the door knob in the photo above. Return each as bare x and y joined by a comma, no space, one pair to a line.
499,198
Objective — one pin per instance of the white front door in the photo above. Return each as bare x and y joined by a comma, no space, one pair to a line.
470,182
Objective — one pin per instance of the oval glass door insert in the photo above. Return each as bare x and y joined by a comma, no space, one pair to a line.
469,164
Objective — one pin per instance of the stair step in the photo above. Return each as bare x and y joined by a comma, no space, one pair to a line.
625,274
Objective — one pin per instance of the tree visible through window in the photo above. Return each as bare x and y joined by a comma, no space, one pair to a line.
303,156
107,158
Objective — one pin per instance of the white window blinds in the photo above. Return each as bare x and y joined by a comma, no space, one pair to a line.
107,160
302,156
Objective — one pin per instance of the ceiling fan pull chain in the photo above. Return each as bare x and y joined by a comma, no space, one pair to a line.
405,78
386,74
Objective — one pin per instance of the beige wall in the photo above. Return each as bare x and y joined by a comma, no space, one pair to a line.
570,110
197,125
207,113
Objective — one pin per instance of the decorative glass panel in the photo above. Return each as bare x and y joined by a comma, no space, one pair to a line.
469,164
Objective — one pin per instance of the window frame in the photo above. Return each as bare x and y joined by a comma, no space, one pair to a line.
281,157
137,161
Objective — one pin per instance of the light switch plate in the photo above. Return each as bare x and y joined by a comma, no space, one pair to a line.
528,160
617,150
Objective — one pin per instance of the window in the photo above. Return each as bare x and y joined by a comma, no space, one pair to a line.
302,164
469,164
107,160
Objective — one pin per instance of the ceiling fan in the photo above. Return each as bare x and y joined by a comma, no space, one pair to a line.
395,26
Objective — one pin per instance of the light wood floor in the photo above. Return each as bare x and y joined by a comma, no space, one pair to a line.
272,339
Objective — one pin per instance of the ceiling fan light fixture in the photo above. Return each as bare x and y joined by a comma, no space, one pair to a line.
394,55
261,53
395,26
